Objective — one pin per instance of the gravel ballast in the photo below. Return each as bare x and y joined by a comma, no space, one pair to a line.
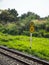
4,60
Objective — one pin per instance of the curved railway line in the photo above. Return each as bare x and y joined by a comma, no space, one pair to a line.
20,57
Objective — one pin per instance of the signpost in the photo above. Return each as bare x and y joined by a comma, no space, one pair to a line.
31,30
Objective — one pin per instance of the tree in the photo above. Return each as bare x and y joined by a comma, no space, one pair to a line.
14,13
4,15
8,15
33,15
23,16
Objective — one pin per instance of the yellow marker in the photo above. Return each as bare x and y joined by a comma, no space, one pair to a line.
31,24
31,27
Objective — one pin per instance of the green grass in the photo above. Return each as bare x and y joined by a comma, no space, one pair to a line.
40,46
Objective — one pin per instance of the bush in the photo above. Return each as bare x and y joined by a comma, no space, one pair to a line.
46,35
12,28
47,28
1,27
35,34
26,33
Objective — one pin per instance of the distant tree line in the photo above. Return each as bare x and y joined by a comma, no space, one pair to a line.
12,23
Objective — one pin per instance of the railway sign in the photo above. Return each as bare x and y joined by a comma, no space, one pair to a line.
31,24
31,30
31,27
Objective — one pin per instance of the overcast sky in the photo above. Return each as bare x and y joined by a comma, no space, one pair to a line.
40,7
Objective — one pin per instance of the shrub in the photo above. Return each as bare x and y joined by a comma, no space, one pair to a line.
35,34
46,35
26,33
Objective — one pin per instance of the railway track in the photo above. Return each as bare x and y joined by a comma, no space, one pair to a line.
22,58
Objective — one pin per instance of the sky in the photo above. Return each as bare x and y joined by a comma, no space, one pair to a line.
40,7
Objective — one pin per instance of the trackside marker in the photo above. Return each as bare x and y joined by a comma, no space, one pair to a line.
31,31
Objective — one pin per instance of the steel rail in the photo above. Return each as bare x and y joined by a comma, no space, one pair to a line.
9,56
35,59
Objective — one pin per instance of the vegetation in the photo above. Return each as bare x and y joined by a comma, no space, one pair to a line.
40,46
11,23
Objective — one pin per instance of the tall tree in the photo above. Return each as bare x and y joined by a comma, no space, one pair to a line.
8,15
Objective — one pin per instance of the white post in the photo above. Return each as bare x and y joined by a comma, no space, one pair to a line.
30,40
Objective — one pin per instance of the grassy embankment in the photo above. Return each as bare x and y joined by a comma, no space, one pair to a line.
40,46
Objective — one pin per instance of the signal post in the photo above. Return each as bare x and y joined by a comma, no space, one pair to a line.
31,31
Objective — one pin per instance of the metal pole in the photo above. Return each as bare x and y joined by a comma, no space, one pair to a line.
30,40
